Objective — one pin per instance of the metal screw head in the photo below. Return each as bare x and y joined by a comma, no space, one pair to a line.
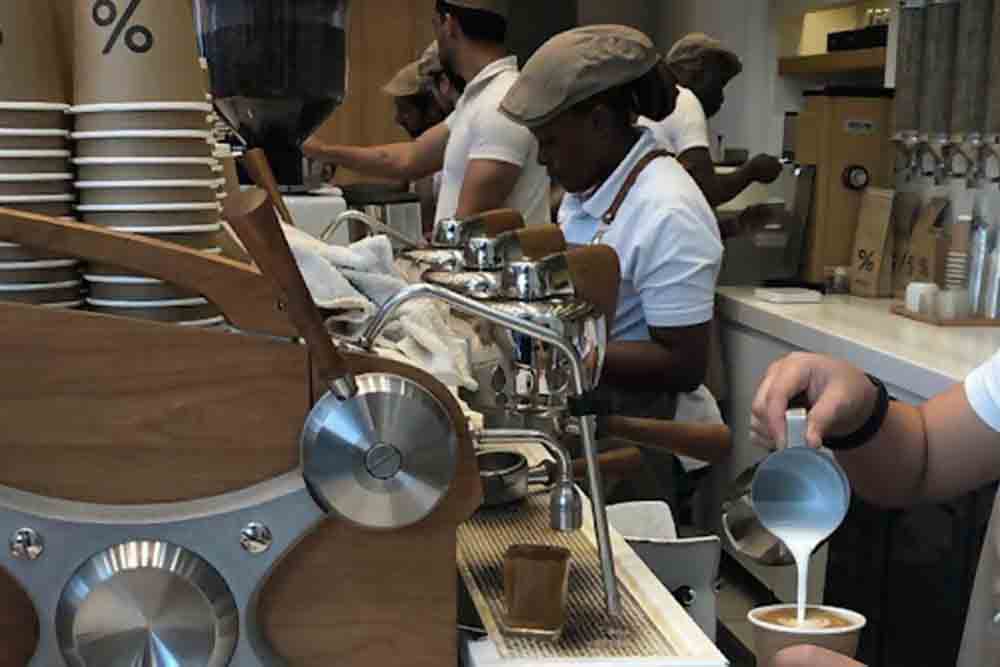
256,538
383,461
26,544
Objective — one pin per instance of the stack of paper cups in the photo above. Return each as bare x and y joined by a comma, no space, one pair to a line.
142,126
35,171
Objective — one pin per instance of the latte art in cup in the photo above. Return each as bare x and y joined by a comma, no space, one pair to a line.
816,619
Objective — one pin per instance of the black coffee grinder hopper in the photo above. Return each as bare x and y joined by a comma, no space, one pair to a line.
278,70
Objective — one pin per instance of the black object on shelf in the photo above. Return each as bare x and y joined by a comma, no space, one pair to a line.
872,37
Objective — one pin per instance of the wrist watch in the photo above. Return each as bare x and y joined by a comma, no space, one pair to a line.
870,428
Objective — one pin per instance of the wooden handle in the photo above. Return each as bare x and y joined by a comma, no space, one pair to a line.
255,222
246,298
596,274
706,442
500,221
618,463
540,242
259,170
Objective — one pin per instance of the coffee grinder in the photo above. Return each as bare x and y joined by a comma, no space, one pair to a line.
278,69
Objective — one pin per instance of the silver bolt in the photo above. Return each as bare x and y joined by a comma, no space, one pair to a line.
256,538
383,461
26,544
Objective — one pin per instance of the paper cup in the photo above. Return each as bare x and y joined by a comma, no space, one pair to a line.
191,146
153,58
770,639
172,310
20,201
34,166
164,191
33,139
54,271
52,210
37,116
152,216
37,294
35,184
111,117
31,57
132,288
11,252
127,169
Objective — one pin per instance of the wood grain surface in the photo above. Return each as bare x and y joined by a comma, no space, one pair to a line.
247,299
118,411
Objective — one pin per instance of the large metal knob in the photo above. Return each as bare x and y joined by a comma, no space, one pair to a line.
384,458
147,604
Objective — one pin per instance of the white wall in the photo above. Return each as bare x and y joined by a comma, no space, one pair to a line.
749,118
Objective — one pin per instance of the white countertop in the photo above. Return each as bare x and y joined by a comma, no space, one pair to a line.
920,358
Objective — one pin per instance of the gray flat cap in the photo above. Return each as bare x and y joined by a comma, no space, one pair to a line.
574,66
407,82
430,61
692,51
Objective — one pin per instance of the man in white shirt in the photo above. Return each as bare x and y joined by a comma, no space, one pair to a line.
703,68
418,109
488,161
898,456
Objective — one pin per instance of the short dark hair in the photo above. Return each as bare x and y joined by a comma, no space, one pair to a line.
477,24
646,96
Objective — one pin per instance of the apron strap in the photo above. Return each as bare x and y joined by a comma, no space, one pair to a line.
629,183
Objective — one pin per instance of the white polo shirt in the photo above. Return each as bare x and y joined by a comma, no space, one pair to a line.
480,132
667,240
685,128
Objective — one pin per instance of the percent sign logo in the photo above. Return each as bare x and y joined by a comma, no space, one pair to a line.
138,38
867,262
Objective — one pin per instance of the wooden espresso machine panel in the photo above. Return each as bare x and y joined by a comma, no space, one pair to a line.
116,411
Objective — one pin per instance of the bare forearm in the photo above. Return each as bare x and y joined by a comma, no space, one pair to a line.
933,453
650,366
890,471
729,186
388,161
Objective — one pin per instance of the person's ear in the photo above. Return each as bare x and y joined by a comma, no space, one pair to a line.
449,24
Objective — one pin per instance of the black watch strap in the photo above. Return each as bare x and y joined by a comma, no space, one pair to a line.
870,428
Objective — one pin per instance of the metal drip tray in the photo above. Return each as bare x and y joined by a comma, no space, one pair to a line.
482,542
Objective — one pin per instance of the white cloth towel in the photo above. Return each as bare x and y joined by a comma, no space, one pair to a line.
355,281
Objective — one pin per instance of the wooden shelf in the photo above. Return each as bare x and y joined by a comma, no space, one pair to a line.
832,63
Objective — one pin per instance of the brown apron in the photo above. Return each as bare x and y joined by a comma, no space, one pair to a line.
656,479
981,645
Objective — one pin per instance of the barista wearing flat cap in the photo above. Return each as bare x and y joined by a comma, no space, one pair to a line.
441,85
418,110
488,161
900,456
579,95
703,68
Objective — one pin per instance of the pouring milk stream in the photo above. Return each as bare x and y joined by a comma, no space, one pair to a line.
801,496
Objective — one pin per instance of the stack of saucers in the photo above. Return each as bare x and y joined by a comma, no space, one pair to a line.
147,168
36,177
